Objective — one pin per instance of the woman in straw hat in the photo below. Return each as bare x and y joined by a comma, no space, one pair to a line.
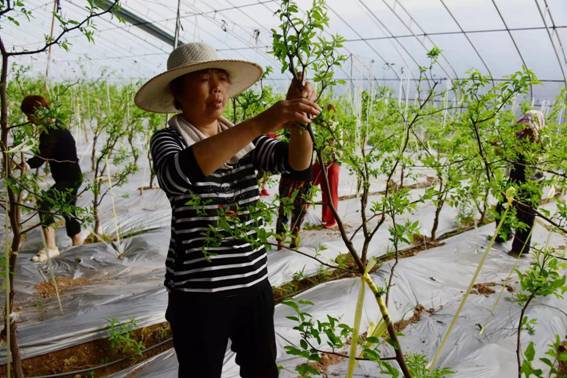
207,166
524,176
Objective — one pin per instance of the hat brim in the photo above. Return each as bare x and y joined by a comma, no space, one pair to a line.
155,95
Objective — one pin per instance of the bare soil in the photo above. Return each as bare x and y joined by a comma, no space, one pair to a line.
418,312
489,288
82,360
49,289
327,360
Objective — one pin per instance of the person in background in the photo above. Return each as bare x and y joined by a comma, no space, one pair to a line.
57,148
206,165
524,176
297,189
333,169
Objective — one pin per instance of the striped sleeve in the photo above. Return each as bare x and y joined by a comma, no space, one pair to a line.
174,165
271,155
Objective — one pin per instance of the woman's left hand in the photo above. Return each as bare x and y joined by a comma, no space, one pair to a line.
299,90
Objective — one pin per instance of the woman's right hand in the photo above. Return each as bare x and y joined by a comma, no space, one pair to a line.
282,112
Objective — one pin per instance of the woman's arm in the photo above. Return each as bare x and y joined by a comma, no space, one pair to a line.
300,149
300,143
213,152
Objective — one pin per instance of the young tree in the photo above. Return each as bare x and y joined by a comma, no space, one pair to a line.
544,277
252,101
113,153
299,45
16,11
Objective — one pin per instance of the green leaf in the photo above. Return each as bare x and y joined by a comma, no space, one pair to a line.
529,353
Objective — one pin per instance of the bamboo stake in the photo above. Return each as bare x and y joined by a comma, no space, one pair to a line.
503,288
379,295
49,48
510,198
357,318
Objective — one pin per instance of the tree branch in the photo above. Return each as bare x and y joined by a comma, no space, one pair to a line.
311,256
63,32
9,8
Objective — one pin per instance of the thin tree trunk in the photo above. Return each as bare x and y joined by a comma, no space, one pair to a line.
151,168
96,215
14,216
96,194
518,345
484,207
438,209
378,293
93,152
395,264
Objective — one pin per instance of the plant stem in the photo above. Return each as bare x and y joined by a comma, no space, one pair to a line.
518,345
378,294
13,215
397,259
340,224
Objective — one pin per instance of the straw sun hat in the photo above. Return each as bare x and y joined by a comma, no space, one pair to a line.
155,95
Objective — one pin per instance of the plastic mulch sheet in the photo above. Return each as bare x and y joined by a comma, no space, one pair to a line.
435,279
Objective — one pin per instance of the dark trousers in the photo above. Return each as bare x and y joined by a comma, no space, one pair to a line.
60,195
299,191
524,210
202,323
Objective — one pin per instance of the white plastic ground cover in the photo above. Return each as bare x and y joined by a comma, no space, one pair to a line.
125,279
285,263
130,287
435,279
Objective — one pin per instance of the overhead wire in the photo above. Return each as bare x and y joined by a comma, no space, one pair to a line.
457,32
514,42
408,74
226,30
464,33
555,28
424,35
257,48
380,24
551,40
100,36
229,21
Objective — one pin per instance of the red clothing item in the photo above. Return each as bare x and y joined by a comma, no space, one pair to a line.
333,172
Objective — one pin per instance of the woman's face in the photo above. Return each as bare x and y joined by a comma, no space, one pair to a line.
203,94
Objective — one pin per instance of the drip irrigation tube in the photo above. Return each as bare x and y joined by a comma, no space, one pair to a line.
86,370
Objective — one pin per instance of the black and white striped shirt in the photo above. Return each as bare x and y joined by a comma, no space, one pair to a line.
232,263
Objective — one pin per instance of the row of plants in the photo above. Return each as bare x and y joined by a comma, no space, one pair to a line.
464,135
468,142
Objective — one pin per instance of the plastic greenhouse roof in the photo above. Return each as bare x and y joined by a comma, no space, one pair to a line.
386,39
